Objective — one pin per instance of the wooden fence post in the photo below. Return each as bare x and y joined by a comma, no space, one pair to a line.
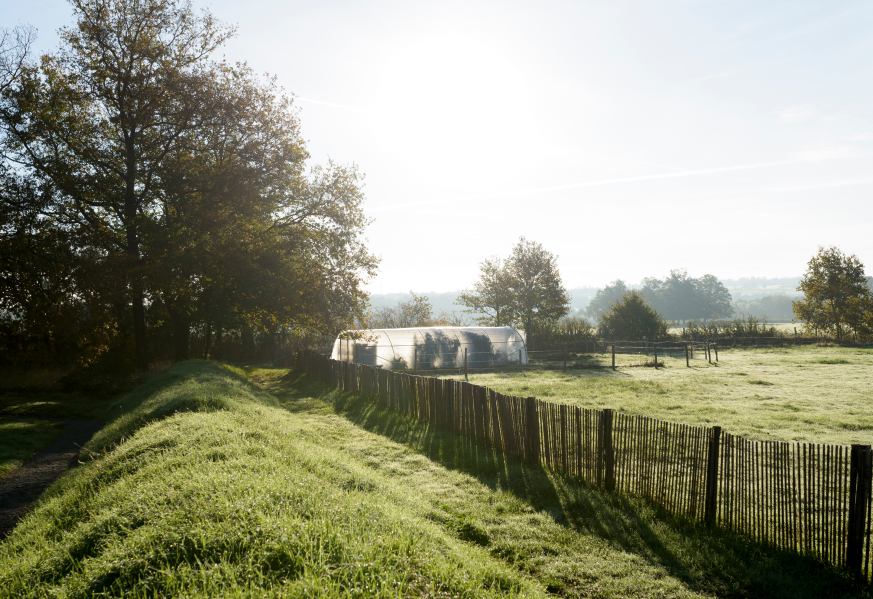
613,355
861,466
716,352
465,365
656,357
687,364
711,504
608,454
533,431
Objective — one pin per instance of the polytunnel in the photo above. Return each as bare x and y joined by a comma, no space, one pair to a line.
424,348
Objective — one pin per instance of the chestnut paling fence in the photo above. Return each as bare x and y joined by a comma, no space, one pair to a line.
808,498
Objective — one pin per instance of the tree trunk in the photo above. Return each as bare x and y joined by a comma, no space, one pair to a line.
139,327
181,338
219,336
248,341
207,339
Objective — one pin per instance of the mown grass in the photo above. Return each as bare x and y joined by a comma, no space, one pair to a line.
204,486
20,439
808,394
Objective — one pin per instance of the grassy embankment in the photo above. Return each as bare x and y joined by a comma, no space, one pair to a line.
809,394
203,484
20,439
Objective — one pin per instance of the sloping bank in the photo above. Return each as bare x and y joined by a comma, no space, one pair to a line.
205,487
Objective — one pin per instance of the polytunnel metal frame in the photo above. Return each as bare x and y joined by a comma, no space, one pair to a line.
349,345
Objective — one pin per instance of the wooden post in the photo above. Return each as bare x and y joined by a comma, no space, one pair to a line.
686,356
465,365
656,356
608,454
861,468
533,431
712,477
716,352
708,354
613,355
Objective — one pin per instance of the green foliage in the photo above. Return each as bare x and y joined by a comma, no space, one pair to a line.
631,317
525,290
610,294
680,297
491,295
572,330
415,312
173,190
836,299
745,326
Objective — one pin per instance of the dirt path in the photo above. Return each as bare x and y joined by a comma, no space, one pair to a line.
22,487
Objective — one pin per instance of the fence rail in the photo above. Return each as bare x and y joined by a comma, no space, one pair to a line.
803,497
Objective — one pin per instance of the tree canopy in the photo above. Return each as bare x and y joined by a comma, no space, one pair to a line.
599,305
631,317
836,295
680,297
157,191
524,290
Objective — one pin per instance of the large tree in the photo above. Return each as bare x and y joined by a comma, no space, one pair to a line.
836,295
491,295
523,290
538,295
186,175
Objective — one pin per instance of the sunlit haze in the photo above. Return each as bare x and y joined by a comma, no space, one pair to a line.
628,138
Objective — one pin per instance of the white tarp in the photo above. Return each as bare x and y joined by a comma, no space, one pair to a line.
432,347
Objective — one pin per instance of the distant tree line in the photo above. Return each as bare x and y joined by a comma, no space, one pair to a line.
414,312
677,298
153,199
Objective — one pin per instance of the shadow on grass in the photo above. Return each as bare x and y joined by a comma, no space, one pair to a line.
707,561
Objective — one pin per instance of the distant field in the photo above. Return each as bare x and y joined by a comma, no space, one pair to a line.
812,394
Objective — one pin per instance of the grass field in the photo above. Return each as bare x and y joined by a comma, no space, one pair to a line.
20,439
813,394
206,485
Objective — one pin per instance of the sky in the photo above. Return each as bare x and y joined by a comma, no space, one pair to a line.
628,138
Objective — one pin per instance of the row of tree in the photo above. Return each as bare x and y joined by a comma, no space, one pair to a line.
149,192
678,297
837,301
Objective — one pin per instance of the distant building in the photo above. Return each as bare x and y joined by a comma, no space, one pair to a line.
424,348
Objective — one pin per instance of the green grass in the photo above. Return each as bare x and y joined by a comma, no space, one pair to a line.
205,485
20,439
809,394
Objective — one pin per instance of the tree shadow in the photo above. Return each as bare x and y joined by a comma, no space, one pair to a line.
709,561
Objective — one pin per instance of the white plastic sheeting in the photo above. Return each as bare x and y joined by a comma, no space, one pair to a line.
426,348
